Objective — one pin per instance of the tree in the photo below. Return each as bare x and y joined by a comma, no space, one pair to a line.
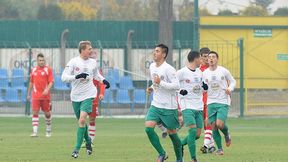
226,12
7,11
254,11
281,11
77,11
186,11
264,3
165,8
51,12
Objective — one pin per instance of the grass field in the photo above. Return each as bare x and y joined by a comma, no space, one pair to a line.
122,140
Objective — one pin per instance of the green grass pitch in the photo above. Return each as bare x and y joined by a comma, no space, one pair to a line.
124,140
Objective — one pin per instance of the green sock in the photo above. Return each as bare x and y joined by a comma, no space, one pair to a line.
191,142
217,138
225,130
80,134
86,136
184,141
177,145
154,140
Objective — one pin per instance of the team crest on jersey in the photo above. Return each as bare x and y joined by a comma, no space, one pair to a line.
222,77
77,69
187,81
162,77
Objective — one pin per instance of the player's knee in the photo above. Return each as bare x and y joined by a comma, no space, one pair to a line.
81,121
220,125
149,130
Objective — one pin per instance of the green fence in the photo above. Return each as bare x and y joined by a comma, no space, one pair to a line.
113,58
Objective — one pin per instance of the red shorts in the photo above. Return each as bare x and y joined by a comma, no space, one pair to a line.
94,112
45,105
205,112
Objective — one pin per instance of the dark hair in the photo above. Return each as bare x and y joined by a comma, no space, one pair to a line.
213,52
164,48
82,45
40,55
204,50
193,55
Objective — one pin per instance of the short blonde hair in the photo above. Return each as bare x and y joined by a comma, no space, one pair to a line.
83,45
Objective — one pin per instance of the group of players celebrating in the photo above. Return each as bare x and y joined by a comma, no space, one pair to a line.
203,95
201,91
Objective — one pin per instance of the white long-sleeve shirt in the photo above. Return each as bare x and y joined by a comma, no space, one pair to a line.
164,95
192,83
81,88
218,81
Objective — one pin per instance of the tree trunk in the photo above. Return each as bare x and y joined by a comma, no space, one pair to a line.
165,26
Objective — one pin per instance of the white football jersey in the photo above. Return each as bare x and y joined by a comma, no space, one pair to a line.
82,88
218,81
164,95
192,82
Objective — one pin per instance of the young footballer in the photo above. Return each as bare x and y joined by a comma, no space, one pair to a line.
208,146
81,71
163,108
41,81
218,101
190,99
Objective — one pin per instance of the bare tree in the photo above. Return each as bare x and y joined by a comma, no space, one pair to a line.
165,26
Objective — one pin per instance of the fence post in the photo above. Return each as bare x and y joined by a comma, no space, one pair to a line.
27,104
241,46
101,54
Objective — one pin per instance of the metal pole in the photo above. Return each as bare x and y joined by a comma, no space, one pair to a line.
196,26
241,46
27,104
63,40
128,65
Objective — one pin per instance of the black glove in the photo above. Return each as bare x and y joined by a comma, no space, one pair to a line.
106,83
204,86
183,92
82,75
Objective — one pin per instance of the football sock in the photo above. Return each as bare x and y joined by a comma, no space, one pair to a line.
177,145
225,130
154,140
35,123
191,142
217,138
48,122
80,134
92,130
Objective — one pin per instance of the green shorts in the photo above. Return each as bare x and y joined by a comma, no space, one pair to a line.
217,111
169,118
193,117
85,106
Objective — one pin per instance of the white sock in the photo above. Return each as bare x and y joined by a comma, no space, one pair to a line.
162,127
91,131
207,138
35,123
48,122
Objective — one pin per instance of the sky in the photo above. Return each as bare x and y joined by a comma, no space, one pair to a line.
235,5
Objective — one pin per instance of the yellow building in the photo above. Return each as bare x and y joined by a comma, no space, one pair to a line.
265,47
